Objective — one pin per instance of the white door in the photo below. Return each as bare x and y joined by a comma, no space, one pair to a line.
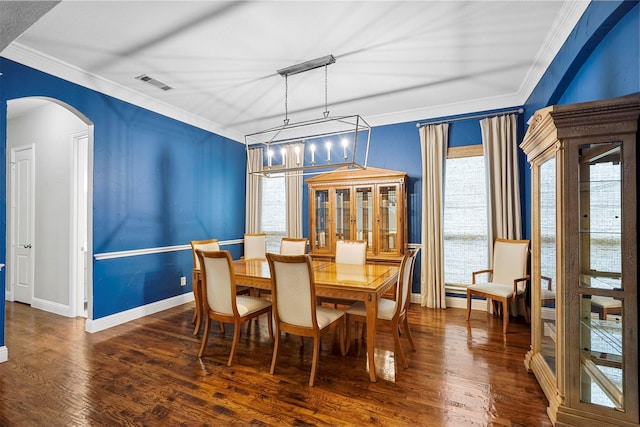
22,216
79,241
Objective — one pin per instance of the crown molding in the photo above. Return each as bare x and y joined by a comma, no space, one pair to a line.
446,110
35,59
561,28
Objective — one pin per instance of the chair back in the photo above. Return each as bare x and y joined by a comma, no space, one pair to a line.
204,245
291,246
255,246
218,282
293,289
351,252
510,261
405,280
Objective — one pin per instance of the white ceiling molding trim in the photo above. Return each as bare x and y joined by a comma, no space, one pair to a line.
456,109
560,30
47,64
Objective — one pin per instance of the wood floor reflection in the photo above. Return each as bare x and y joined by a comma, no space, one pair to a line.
146,373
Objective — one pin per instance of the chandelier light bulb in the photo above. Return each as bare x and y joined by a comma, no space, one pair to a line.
269,156
283,151
345,142
312,148
328,145
296,149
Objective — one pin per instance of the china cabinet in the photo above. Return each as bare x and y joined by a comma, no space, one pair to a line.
584,300
366,204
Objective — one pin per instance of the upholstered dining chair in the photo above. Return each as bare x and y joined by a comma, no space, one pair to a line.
204,245
221,302
292,246
391,313
255,246
351,252
348,252
508,279
294,306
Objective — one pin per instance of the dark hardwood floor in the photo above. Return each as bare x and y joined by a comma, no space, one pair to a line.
146,373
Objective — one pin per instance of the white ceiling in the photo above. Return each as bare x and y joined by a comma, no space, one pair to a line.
395,61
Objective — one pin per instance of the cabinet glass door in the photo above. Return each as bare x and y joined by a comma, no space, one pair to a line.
343,214
322,218
388,232
602,368
364,215
547,276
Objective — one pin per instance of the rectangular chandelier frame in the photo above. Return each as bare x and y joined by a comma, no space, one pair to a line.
327,144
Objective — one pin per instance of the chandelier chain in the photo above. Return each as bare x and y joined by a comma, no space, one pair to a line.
326,92
286,95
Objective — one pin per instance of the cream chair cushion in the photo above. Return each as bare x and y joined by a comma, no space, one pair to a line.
351,252
255,246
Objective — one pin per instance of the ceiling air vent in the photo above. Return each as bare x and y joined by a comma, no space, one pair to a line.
154,82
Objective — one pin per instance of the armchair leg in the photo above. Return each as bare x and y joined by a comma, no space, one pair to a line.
505,315
468,305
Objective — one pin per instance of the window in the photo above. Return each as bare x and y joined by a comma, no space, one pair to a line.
465,215
274,211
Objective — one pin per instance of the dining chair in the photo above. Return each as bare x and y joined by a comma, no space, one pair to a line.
204,245
351,252
294,306
392,314
348,252
221,302
508,279
255,246
292,246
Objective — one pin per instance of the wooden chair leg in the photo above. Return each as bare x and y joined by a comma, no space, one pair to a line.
398,347
276,346
342,332
505,315
314,360
407,332
270,326
234,344
468,305
205,336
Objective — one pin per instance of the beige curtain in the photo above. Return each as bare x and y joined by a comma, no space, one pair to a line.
499,139
433,143
293,187
253,191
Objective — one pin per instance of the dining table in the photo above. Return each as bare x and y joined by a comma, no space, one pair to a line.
367,283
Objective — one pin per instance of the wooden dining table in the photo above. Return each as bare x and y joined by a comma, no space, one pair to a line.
365,283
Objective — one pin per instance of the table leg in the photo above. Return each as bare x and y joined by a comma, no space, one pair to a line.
371,305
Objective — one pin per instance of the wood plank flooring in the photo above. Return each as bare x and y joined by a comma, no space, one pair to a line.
146,373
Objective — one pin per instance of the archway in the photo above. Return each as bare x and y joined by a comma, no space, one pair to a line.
58,141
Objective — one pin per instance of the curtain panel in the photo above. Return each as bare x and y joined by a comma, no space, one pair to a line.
500,143
433,144
253,191
293,188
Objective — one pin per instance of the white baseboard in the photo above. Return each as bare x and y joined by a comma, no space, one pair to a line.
51,307
107,322
455,302
4,354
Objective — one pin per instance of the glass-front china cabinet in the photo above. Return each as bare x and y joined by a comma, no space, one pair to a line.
584,300
362,204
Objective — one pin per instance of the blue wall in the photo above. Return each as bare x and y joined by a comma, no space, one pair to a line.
159,182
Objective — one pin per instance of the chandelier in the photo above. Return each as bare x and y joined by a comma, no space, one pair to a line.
312,146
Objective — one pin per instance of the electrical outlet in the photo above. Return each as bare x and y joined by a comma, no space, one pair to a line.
183,281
